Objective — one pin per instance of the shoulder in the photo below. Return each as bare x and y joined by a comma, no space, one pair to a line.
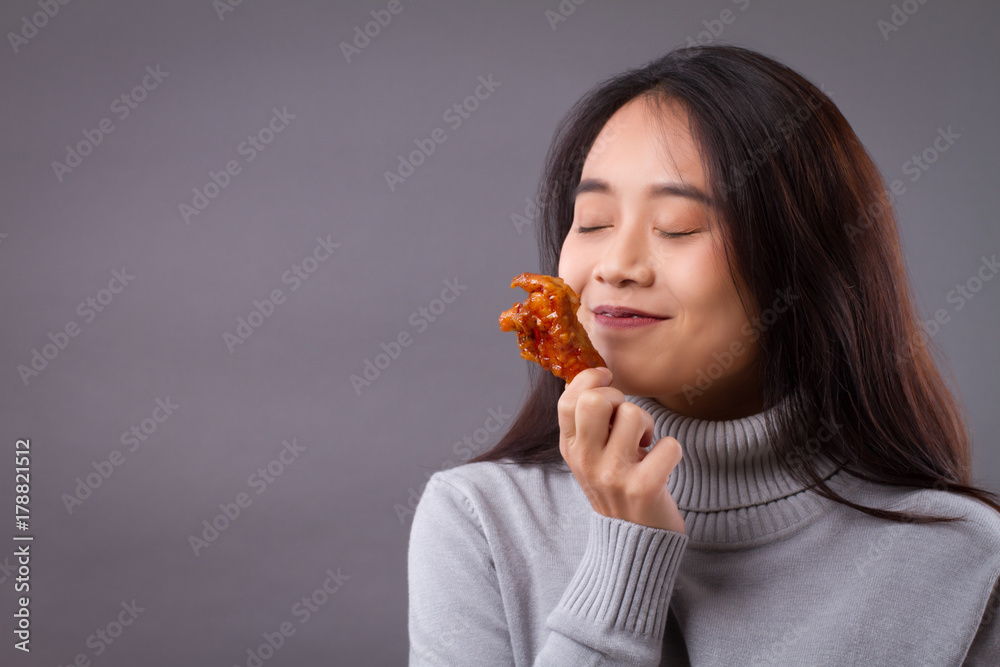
973,539
964,558
491,488
979,523
979,528
499,499
491,477
955,564
978,519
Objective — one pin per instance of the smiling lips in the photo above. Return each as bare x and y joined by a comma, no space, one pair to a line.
620,317
548,331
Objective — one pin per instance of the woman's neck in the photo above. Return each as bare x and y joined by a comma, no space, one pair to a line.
730,397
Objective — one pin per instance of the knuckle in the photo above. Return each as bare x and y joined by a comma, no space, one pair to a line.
631,411
607,478
566,416
630,420
590,400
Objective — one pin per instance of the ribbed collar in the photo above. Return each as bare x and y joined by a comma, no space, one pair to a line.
729,485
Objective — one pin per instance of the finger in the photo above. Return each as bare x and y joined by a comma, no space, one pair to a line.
595,409
566,407
661,460
632,429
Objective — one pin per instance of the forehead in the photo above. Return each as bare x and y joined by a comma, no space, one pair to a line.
646,141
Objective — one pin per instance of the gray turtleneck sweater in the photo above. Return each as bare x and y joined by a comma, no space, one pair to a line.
510,565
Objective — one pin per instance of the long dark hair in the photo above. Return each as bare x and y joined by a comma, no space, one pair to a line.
804,210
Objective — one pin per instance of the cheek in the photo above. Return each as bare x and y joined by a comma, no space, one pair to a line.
710,307
573,266
701,283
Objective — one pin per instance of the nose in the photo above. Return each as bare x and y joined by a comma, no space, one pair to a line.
626,260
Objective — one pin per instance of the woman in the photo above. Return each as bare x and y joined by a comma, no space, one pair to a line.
771,469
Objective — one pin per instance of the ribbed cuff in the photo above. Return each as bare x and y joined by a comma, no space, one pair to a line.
622,584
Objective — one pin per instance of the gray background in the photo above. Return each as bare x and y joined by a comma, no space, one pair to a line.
366,456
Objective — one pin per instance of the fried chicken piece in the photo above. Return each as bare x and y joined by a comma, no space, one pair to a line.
548,331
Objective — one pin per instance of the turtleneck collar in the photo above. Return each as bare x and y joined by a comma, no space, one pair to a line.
729,485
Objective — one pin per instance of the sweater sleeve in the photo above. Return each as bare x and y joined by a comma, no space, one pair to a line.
612,613
985,648
456,613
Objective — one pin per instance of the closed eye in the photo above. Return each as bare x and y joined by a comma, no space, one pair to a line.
674,235
670,235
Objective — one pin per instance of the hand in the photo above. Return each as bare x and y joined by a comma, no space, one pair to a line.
602,437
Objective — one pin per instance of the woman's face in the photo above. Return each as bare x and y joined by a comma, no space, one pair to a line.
641,240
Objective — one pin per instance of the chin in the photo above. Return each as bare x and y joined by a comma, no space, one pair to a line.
636,385
632,373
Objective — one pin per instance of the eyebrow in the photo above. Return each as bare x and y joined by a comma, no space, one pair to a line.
655,190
